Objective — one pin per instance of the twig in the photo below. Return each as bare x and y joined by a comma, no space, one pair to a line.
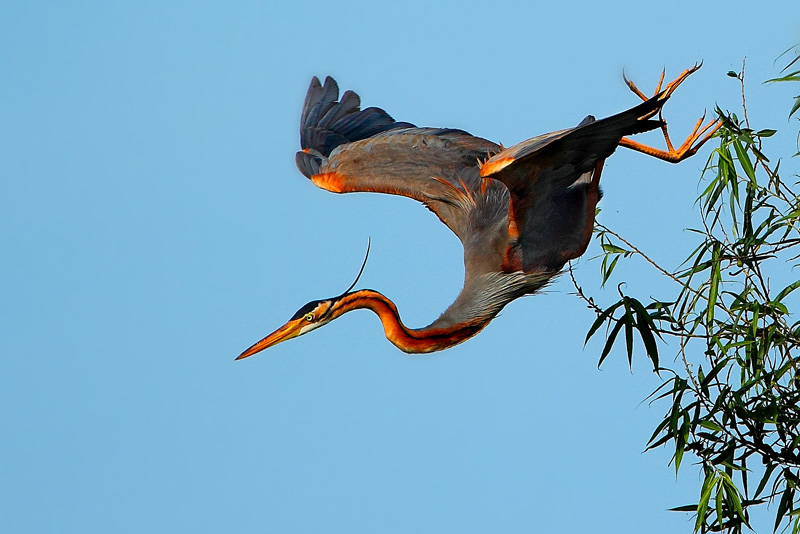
579,292
642,254
744,104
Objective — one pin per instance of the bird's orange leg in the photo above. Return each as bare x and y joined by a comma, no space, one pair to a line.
693,142
689,147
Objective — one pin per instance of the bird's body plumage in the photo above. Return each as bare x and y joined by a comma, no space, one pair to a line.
521,213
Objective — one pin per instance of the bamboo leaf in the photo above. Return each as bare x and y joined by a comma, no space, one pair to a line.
792,62
744,161
711,425
613,249
786,501
732,492
714,287
680,441
795,107
600,320
714,372
645,325
786,290
629,332
684,508
660,442
764,479
607,270
610,341
708,486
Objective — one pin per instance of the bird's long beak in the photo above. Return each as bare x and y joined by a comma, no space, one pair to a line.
287,331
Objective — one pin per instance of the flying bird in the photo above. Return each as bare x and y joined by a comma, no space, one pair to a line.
521,213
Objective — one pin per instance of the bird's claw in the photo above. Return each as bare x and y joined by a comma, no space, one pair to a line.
693,142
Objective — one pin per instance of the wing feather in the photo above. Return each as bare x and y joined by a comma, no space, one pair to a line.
346,149
435,168
327,122
553,194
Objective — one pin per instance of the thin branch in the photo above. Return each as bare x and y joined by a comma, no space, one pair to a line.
643,255
579,292
744,102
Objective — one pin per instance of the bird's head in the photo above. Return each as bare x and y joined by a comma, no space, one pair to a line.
310,317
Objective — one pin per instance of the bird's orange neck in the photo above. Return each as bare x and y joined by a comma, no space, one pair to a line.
407,339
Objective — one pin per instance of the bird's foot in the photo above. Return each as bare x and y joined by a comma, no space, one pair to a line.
668,90
693,142
689,148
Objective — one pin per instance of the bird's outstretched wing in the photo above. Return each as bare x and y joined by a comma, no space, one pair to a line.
347,149
553,181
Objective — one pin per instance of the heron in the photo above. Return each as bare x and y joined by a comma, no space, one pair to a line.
521,213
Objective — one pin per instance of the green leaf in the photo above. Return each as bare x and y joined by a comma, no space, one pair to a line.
646,326
714,287
660,442
646,333
786,290
610,341
744,161
714,372
680,441
711,425
718,503
613,249
684,508
709,484
795,107
792,62
600,320
764,479
628,332
732,492
760,155
786,501
607,270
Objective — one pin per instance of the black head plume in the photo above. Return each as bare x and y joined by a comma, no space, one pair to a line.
366,256
311,306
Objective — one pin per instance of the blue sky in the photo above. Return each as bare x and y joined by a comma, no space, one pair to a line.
153,225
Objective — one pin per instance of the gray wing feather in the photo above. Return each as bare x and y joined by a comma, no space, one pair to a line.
327,122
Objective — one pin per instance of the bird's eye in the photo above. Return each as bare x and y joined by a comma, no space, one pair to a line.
309,317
